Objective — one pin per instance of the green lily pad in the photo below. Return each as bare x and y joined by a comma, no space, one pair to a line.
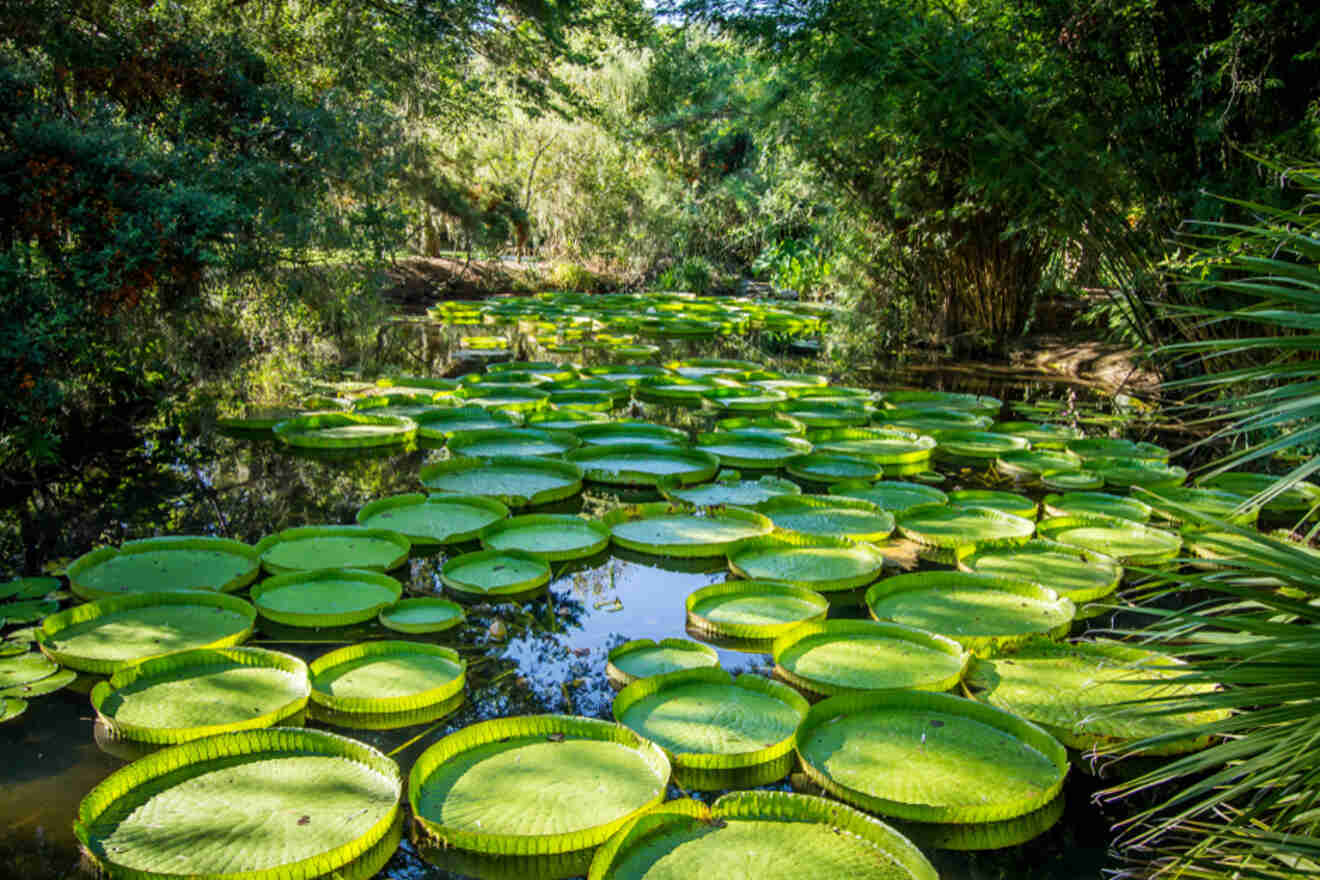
195,694
1033,463
704,719
29,588
827,414
562,419
895,496
930,757
829,516
643,658
346,431
1299,497
307,548
829,469
48,685
25,669
11,708
1082,694
311,803
436,425
617,433
386,676
729,489
325,597
102,636
768,835
752,450
504,397
777,424
535,785
1067,481
744,399
978,611
942,400
643,464
1091,448
1124,473
672,390
827,565
424,614
928,421
1005,502
435,519
1075,574
515,482
1124,541
976,447
1102,503
882,446
511,442
509,575
553,537
753,609
949,527
160,565
851,656
1214,503
27,612
680,530
1042,435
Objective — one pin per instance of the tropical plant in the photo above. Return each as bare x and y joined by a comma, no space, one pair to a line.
1248,806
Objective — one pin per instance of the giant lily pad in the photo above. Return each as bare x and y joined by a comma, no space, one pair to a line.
829,516
942,400
307,548
827,565
895,496
1297,498
643,658
516,482
979,611
1091,448
778,424
767,835
511,442
435,519
616,433
189,695
930,757
1101,503
104,635
1214,503
1124,473
1005,502
1088,694
828,469
296,804
436,425
947,528
706,720
325,597
1024,464
643,464
753,609
680,530
672,390
851,656
976,447
874,444
551,536
346,431
386,676
1124,541
729,489
158,565
535,785
494,575
1075,574
752,450
423,614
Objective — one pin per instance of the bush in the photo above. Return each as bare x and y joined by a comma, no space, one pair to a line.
692,274
575,277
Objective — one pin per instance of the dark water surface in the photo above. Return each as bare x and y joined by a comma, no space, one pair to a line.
187,479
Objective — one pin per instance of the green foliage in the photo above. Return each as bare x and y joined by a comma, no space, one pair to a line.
575,277
692,274
802,266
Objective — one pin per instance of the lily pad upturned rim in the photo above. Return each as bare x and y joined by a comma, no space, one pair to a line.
662,509
301,430
511,592
810,467
426,431
1072,480
460,441
703,464
789,542
846,628
708,654
968,445
1050,504
591,434
772,805
850,704
995,499
499,729
673,490
825,439
320,619
299,533
381,705
1054,528
776,422
913,532
967,557
89,561
387,615
201,658
53,625
567,471
920,581
1168,499
258,745
504,526
1126,473
410,499
747,588
643,688
787,447
851,488
800,503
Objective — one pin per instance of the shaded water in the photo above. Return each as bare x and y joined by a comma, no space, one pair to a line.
190,480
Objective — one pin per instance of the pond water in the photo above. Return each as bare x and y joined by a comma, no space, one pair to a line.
189,479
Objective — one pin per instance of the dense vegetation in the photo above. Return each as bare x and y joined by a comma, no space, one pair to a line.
202,196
